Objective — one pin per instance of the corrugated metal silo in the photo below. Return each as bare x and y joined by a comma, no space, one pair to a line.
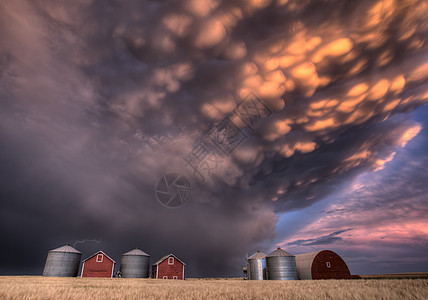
135,264
62,262
281,265
324,264
257,266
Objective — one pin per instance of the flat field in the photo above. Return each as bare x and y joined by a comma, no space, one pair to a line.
417,275
35,287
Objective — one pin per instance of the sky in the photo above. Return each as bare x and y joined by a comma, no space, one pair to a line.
299,124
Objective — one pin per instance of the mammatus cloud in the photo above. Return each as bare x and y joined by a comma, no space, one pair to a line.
386,210
100,99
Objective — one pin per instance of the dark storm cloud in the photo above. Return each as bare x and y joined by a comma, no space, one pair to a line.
100,99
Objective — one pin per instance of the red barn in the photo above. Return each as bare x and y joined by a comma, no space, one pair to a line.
98,265
324,264
168,267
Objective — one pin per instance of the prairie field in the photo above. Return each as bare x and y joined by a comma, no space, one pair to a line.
36,287
416,275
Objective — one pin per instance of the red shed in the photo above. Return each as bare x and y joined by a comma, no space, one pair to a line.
98,265
323,264
168,267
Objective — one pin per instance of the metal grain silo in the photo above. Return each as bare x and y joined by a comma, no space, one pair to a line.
257,266
281,265
135,264
62,262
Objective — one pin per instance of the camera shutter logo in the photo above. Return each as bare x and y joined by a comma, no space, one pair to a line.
173,190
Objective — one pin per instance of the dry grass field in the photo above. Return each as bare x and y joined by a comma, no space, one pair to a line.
32,287
416,275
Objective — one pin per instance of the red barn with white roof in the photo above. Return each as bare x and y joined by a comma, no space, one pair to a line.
98,265
168,267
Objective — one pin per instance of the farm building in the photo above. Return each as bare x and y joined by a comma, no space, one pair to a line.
245,272
280,265
323,264
168,267
135,264
256,266
62,262
98,265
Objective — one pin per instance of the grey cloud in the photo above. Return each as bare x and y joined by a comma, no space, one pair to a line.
335,211
322,240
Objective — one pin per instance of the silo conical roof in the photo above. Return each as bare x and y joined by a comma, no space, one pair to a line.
66,248
136,251
257,255
279,252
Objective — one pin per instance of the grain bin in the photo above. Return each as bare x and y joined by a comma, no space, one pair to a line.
324,264
281,265
257,266
135,264
62,262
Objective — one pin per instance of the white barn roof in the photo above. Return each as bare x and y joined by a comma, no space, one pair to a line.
99,253
165,257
